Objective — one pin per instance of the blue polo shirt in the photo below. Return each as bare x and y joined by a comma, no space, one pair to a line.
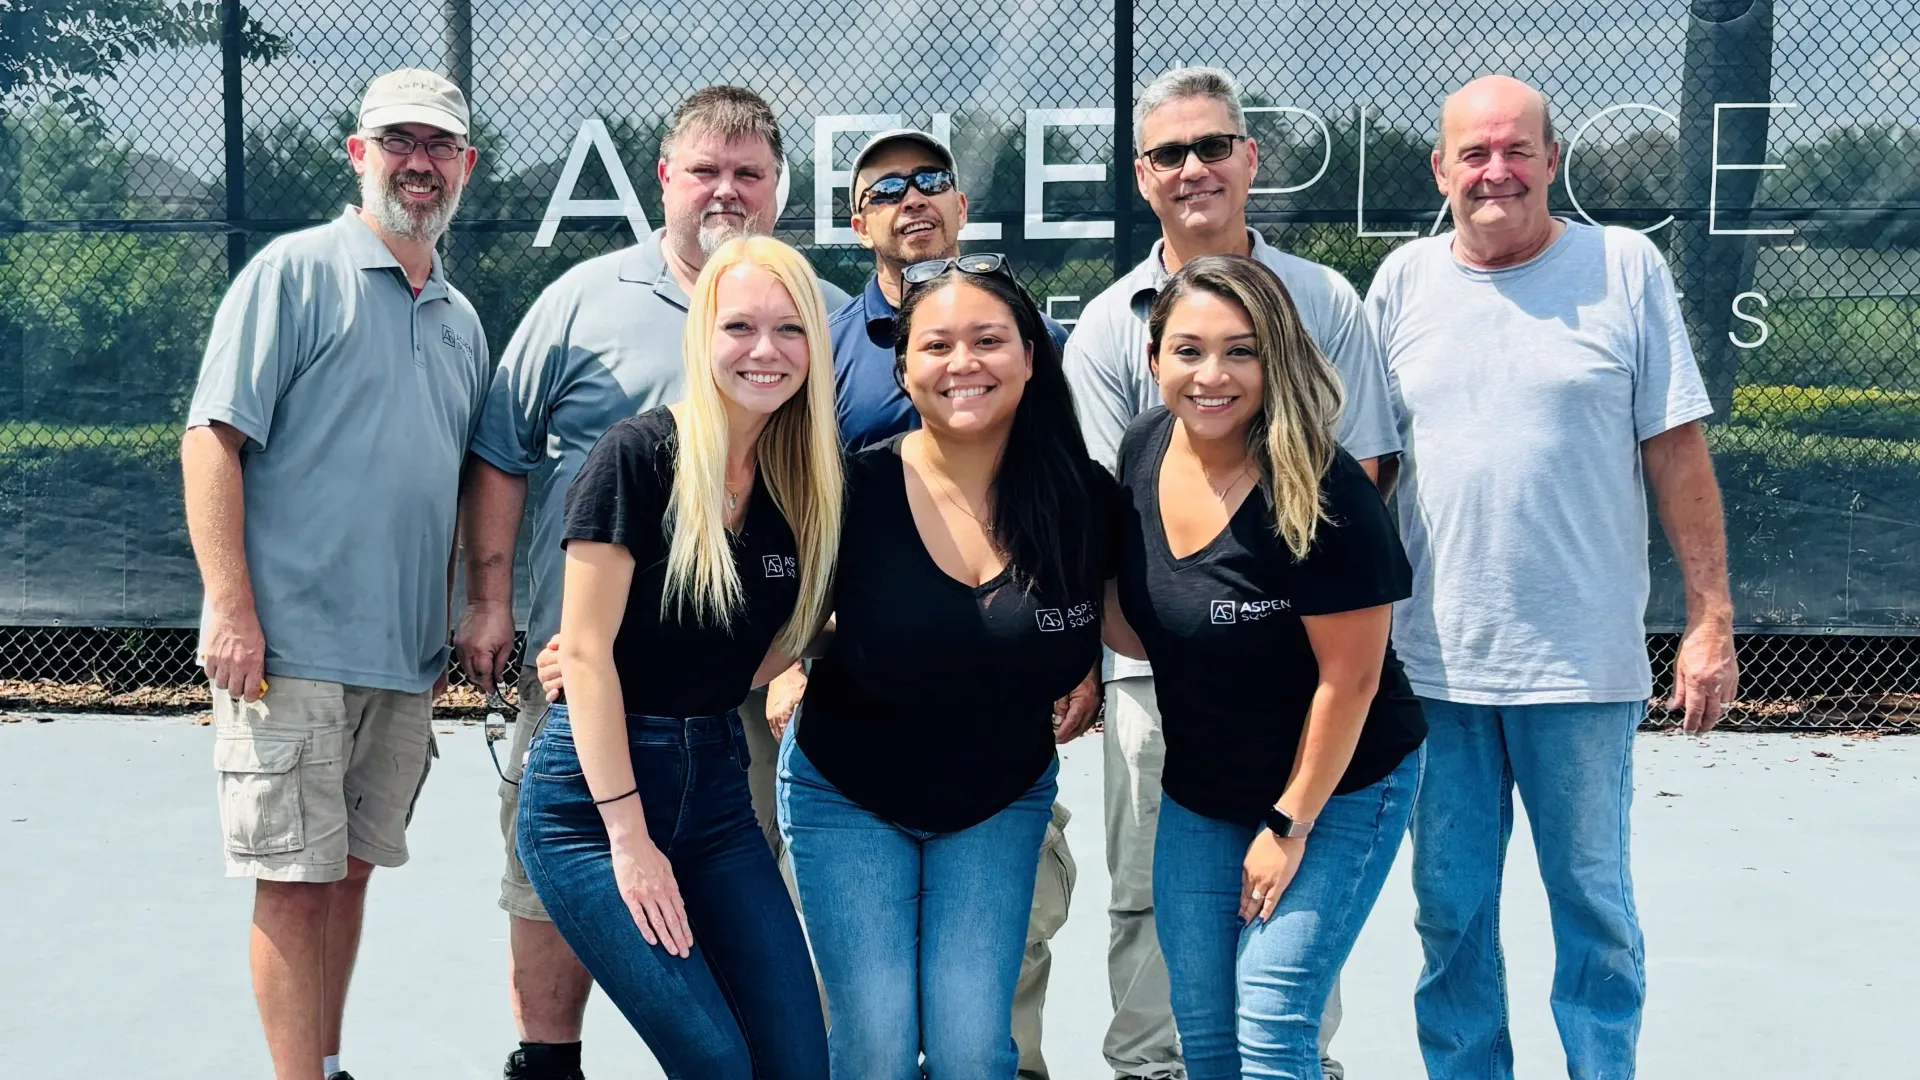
871,406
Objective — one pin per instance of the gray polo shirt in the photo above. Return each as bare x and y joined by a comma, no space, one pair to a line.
1526,393
357,399
601,344
1106,362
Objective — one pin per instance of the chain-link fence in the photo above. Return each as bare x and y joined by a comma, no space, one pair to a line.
147,148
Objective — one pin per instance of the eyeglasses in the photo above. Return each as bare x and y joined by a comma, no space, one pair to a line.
984,262
891,189
402,146
1170,156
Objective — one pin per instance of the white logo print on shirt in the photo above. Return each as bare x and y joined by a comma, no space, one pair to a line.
1225,612
780,566
1081,614
1050,620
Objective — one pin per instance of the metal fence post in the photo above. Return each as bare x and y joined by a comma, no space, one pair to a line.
231,17
456,37
456,30
1122,137
1729,59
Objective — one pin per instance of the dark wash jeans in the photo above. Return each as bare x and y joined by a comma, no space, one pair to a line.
744,1003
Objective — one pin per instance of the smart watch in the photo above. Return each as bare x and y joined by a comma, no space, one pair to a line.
1281,824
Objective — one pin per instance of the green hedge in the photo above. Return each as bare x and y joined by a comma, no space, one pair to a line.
1870,414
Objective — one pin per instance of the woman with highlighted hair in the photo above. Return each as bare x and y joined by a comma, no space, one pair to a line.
700,542
1258,571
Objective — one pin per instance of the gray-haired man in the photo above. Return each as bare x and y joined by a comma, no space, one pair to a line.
600,344
337,352
1196,163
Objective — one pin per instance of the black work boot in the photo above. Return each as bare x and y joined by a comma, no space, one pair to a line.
544,1061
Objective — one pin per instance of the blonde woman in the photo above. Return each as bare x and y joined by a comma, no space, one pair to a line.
1258,571
700,541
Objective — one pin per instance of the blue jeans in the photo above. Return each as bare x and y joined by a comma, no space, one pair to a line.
743,1004
1247,997
1573,765
918,935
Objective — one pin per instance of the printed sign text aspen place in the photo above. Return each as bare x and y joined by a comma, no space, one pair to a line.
828,177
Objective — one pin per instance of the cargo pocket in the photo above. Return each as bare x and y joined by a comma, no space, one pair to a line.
1053,886
260,792
426,767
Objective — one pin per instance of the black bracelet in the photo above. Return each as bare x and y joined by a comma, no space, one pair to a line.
617,798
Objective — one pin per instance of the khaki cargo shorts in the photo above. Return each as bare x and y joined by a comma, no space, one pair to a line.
315,772
516,892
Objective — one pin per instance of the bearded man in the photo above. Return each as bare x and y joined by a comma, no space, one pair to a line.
342,382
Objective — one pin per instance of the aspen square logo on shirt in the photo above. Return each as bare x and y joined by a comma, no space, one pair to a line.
448,337
1225,612
1073,618
780,566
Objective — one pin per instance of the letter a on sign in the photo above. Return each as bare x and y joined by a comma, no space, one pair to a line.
593,135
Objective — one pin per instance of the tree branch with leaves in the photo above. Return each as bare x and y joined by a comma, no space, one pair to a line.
52,51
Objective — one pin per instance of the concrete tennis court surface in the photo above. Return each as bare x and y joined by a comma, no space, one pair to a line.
1778,878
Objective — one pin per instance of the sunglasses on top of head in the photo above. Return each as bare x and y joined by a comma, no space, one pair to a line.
891,189
981,262
1170,156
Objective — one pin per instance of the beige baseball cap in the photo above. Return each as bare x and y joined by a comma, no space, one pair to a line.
414,96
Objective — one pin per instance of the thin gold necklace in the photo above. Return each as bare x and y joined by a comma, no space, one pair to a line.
733,499
1222,494
949,493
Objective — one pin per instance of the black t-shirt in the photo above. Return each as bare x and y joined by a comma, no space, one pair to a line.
679,668
1233,670
933,707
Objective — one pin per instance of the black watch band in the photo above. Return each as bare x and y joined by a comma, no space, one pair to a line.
1282,824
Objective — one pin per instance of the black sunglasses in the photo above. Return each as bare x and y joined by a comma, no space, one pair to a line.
891,189
1170,156
984,262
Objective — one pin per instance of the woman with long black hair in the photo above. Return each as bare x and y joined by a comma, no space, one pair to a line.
967,601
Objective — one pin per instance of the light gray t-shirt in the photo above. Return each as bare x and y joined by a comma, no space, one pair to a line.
1525,394
358,400
601,344
1106,362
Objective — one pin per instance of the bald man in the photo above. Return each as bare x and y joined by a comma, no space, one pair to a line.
1543,377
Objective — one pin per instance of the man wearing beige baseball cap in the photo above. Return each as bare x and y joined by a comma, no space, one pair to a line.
324,629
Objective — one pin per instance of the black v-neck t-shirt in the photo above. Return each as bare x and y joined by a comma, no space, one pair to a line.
1233,669
677,667
933,706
